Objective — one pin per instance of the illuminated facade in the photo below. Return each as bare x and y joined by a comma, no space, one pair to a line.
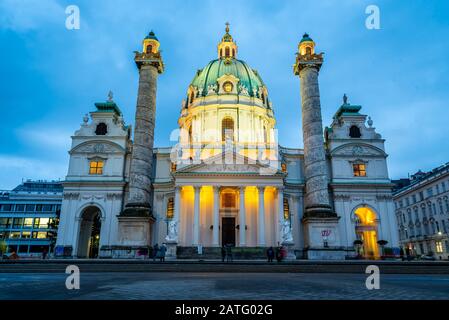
227,181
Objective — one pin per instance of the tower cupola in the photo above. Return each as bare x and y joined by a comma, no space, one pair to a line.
306,45
227,48
151,44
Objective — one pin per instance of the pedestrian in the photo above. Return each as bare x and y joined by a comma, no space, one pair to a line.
223,253
162,251
278,254
44,254
270,254
229,253
155,251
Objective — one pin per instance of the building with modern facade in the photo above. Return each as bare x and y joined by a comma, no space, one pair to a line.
29,216
227,181
422,213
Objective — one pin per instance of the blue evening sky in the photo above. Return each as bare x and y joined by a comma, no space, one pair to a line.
50,76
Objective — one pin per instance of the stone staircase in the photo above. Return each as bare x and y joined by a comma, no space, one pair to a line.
238,253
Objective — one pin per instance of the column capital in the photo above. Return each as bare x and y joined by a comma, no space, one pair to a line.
313,61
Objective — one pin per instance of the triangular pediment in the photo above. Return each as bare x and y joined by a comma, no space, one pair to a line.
229,162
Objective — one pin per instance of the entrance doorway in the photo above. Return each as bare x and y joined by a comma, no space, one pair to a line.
366,232
228,231
89,237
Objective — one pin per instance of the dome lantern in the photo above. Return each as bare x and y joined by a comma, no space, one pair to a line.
227,48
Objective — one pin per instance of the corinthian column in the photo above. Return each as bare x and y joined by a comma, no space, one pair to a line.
150,64
307,67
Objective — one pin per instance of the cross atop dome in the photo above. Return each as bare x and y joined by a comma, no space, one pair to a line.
227,48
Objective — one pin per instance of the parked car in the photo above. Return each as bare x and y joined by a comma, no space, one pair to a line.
427,257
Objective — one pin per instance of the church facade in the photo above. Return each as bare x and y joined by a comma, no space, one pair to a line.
227,182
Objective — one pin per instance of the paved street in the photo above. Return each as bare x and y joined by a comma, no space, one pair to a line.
172,285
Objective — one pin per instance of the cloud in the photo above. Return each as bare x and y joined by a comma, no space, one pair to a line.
23,15
45,137
28,168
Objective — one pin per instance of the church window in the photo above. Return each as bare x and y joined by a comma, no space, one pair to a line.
286,209
221,52
354,132
170,208
149,48
359,169
101,129
233,52
284,167
228,86
96,167
263,98
308,50
227,129
227,52
228,199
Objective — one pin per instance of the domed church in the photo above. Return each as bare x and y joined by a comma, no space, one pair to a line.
227,181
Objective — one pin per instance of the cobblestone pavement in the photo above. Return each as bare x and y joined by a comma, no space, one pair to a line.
268,286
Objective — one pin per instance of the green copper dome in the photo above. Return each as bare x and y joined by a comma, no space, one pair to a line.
305,37
219,67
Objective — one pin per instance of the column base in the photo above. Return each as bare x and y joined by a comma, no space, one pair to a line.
137,210
319,211
322,238
134,232
336,253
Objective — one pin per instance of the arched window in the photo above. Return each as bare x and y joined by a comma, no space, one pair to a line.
354,132
227,52
263,98
227,129
192,96
286,209
190,135
265,134
233,52
101,129
170,208
308,50
221,53
149,48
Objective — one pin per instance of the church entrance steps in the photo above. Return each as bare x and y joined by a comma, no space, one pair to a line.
238,253
243,266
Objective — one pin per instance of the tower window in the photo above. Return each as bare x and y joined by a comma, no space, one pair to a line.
101,129
354,132
227,129
149,48
308,50
96,167
286,209
227,52
359,169
170,208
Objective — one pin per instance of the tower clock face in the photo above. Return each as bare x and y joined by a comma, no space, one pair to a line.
228,86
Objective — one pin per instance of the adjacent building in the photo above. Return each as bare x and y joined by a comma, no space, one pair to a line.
422,212
29,216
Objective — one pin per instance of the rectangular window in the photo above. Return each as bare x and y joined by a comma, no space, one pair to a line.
36,223
5,222
7,207
26,234
46,207
359,170
429,192
439,246
39,207
14,235
170,208
20,207
28,223
43,223
96,167
407,201
17,223
414,198
421,196
30,207
39,235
